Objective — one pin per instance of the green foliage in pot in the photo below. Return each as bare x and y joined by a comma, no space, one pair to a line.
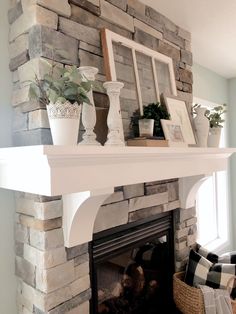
156,111
214,115
61,84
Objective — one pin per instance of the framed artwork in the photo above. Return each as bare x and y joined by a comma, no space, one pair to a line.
178,112
145,73
173,133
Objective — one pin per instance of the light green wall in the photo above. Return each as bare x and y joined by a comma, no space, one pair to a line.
7,255
209,86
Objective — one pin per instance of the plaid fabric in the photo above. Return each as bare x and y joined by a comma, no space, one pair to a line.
200,271
228,258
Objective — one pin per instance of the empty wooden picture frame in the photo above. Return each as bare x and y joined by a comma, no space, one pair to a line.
179,113
173,133
151,72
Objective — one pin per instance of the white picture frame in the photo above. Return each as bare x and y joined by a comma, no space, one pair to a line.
178,112
173,133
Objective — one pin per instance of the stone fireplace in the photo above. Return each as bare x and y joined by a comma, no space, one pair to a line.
54,277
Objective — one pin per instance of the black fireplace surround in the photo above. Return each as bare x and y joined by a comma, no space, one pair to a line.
132,267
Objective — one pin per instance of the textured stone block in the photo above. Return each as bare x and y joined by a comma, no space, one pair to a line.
48,210
54,278
90,48
79,31
61,7
187,87
32,105
191,239
121,4
133,190
169,50
19,46
186,76
38,66
158,17
92,7
19,249
187,97
181,233
86,18
145,39
185,214
38,119
42,225
174,38
44,259
87,58
114,198
18,60
72,303
182,254
186,57
15,12
145,213
173,205
82,270
111,215
48,43
155,189
81,309
191,221
148,201
137,8
46,240
147,29
32,137
21,233
116,16
76,251
81,259
184,33
173,191
80,285
188,45
20,120
25,271
34,15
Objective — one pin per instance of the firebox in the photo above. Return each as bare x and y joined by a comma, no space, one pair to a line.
132,268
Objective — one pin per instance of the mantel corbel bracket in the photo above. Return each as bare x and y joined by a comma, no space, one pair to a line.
188,188
79,214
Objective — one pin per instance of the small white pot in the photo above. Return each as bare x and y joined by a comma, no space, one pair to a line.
146,127
214,137
64,120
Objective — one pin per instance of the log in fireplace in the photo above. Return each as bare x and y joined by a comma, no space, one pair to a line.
132,267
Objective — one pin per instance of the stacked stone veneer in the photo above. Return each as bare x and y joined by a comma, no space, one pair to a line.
40,29
51,278
54,279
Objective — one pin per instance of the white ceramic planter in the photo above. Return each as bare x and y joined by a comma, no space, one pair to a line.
146,127
64,120
214,137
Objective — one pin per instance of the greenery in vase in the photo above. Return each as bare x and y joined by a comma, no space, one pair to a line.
61,84
214,115
156,111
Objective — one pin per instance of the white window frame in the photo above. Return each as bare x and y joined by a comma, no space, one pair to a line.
222,242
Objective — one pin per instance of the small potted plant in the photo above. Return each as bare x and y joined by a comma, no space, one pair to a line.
63,90
153,113
215,117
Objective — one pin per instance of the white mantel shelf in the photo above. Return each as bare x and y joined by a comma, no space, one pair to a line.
59,170
86,175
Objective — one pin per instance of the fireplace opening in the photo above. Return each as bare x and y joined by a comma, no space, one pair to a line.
132,268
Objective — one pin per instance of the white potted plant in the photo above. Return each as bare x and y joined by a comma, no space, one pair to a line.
63,90
215,117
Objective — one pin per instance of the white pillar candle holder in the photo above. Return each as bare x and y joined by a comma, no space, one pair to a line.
88,110
114,122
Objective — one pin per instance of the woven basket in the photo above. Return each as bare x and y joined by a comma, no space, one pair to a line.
189,300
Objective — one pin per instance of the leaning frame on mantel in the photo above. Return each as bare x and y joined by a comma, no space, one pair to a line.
108,37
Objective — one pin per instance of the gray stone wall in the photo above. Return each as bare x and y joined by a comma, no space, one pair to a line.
39,26
51,278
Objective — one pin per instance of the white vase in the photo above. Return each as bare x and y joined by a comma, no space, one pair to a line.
64,120
114,122
146,127
202,126
214,137
89,110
